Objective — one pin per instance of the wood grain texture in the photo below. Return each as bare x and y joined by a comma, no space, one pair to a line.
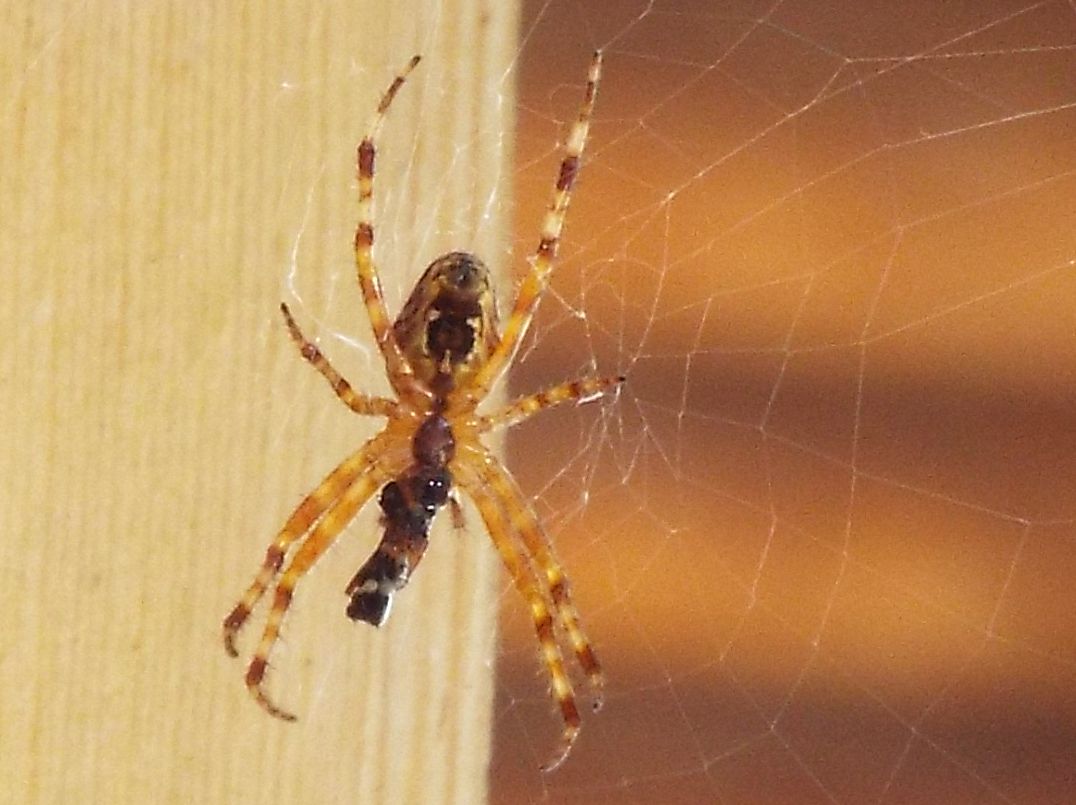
170,173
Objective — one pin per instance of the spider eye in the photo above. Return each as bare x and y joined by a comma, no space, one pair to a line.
435,491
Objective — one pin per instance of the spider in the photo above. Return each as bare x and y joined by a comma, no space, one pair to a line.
442,354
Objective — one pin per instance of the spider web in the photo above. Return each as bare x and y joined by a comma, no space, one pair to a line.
822,537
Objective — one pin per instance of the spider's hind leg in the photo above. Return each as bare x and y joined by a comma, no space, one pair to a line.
536,280
400,373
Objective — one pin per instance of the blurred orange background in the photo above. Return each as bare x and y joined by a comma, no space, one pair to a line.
824,539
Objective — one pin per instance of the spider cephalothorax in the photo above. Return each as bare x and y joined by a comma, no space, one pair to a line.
408,505
442,354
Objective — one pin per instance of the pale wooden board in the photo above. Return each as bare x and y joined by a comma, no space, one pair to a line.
169,173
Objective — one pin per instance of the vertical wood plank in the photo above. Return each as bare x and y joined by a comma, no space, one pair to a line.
170,173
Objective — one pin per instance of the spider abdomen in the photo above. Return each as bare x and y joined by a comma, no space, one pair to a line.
448,326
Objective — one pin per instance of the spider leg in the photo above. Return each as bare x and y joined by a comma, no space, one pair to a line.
324,534
525,407
310,509
359,403
524,522
490,507
400,372
534,284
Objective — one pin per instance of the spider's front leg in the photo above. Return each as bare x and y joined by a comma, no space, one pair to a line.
328,528
309,510
490,506
524,522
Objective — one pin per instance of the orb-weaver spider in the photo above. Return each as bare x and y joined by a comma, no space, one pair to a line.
442,354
